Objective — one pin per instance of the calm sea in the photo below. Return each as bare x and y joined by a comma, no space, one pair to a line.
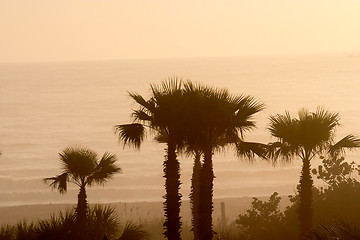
45,107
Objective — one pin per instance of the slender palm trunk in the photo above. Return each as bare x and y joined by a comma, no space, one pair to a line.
305,194
206,197
172,224
195,195
82,207
81,214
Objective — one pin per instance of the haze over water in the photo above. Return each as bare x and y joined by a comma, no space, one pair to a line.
46,107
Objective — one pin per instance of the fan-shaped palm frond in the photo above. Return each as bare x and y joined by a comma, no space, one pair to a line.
349,142
311,132
148,105
284,128
104,170
142,116
59,182
336,229
245,109
316,130
167,88
78,162
251,149
279,150
131,134
134,231
103,220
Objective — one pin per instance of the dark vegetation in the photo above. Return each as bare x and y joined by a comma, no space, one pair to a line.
101,221
198,120
334,207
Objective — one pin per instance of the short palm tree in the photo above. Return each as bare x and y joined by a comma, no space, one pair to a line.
305,137
163,115
216,119
82,167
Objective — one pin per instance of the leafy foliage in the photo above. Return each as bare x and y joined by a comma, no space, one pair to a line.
7,232
336,229
102,221
264,219
134,231
339,198
335,171
131,134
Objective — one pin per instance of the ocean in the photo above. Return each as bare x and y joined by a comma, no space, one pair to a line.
48,106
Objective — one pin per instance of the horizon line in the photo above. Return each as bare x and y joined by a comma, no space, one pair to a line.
179,58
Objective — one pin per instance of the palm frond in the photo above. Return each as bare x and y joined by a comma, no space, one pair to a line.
78,162
141,115
166,91
280,150
251,149
131,134
317,129
245,108
349,142
149,105
104,170
248,105
162,136
313,132
59,182
329,119
103,219
134,231
283,127
336,229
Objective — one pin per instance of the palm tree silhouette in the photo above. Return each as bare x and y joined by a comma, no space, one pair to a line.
216,119
162,114
312,134
82,167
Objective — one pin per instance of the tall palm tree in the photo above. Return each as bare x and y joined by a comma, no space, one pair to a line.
216,119
305,137
82,167
163,115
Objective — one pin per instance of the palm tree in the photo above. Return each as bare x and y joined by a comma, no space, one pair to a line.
216,119
82,167
312,134
163,115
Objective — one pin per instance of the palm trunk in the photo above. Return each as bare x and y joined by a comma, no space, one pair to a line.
172,202
81,214
206,197
81,208
195,195
305,194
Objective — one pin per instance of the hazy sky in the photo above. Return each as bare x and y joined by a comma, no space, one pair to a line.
43,30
